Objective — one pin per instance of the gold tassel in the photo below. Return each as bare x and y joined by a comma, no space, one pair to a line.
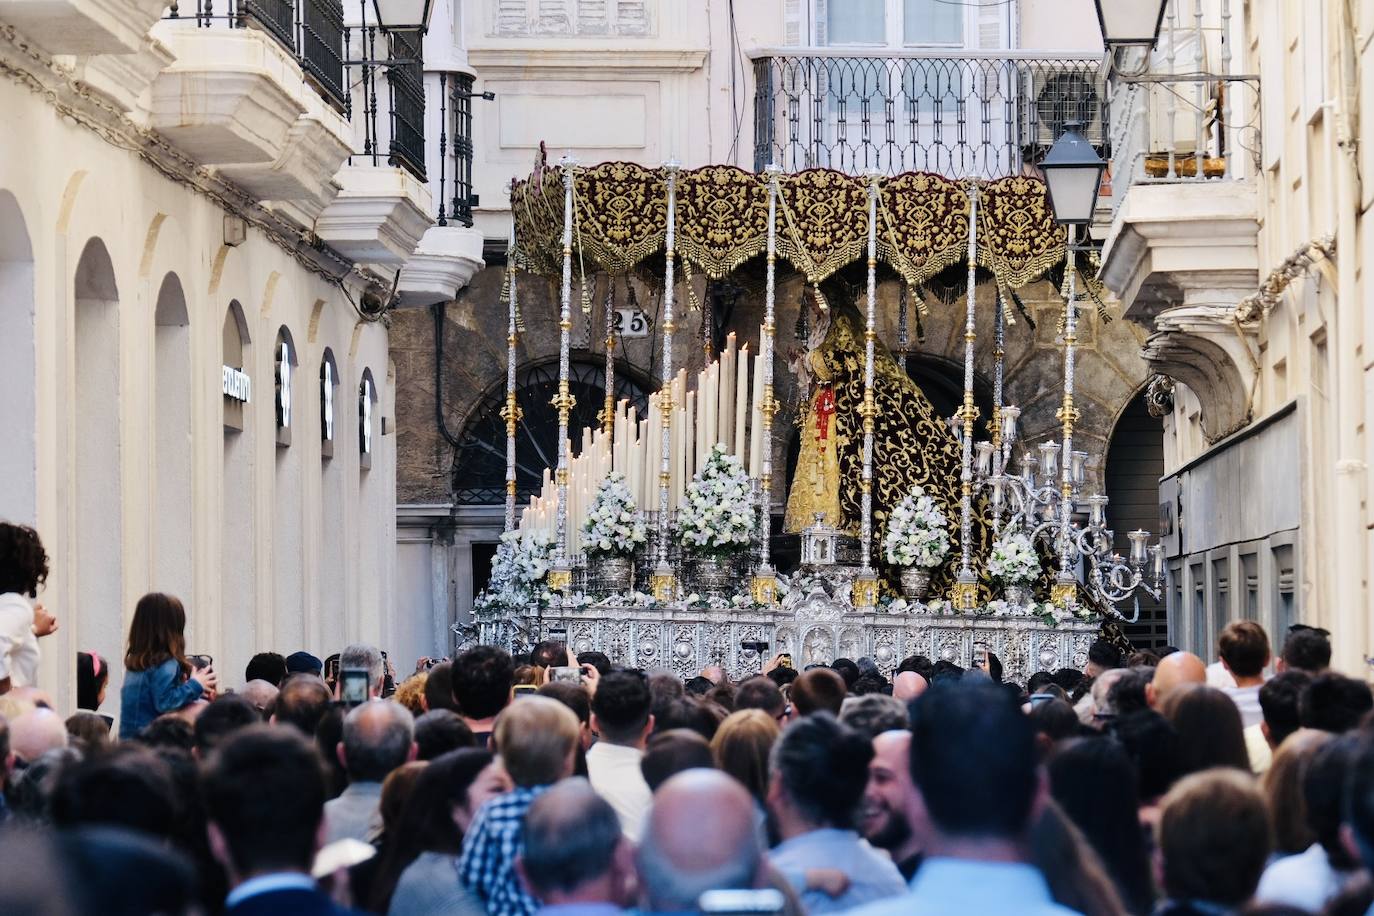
821,302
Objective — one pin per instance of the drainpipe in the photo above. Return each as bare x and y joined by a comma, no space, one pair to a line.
1349,593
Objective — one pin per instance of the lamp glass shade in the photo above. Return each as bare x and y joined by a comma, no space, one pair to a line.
1073,176
403,15
1130,22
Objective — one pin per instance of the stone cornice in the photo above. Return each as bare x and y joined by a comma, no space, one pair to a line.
34,70
612,60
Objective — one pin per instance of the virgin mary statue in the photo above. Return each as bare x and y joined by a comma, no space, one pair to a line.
911,445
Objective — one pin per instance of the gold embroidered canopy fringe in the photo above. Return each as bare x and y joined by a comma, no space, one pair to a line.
621,215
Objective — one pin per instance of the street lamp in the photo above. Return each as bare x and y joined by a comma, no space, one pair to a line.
1130,22
403,15
1073,175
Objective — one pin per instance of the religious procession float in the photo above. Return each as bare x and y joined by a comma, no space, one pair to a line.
651,540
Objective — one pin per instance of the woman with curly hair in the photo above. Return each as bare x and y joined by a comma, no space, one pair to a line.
23,568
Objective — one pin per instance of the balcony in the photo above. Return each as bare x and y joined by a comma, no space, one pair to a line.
83,27
384,206
451,250
1183,246
255,90
959,114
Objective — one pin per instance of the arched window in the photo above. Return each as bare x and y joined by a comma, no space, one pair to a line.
479,465
329,384
237,385
367,420
285,371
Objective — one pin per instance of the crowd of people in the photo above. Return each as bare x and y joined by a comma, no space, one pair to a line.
562,785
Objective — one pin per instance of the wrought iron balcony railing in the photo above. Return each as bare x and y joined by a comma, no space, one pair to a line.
961,113
392,124
311,30
455,149
1182,114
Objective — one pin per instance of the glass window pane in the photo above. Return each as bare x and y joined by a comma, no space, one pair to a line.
851,22
932,22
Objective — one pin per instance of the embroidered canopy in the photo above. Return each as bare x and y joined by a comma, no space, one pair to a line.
621,217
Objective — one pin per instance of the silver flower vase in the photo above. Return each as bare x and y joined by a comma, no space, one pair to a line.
611,575
915,581
713,577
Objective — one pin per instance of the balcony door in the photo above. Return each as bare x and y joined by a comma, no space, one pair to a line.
894,91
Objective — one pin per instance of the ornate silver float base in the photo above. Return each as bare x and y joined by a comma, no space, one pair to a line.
915,582
712,577
610,576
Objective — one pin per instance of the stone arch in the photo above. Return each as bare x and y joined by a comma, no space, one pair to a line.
1134,464
97,535
18,367
172,425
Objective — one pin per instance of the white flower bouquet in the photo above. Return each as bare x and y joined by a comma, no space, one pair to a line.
1013,560
717,515
614,527
517,573
917,532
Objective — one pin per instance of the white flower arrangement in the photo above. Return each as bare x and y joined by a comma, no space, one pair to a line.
614,527
717,516
1013,560
517,573
917,532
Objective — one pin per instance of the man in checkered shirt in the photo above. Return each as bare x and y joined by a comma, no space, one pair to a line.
537,739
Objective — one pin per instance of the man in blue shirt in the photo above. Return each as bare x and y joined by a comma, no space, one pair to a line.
819,772
974,769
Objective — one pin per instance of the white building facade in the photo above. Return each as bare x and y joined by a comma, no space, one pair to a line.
201,231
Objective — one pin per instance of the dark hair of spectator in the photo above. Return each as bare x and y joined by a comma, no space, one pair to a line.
1359,797
1280,700
783,676
549,653
847,669
1306,650
622,705
302,702
1142,658
23,561
1068,679
597,660
918,663
973,759
88,683
818,690
1152,743
691,713
1104,654
266,666
572,838
1094,783
127,787
264,788
1334,702
439,688
1213,838
1127,695
1244,647
670,752
1076,876
227,714
439,732
1038,681
760,693
1210,731
157,633
1323,788
89,732
823,768
482,680
168,731
698,686
1055,719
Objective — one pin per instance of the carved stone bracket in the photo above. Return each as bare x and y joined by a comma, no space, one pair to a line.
1203,347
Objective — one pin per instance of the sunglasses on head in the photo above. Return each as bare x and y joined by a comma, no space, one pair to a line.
1301,627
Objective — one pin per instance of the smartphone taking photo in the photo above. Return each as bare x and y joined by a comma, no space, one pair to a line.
353,686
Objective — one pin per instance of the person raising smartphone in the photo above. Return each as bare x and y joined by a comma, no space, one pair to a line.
159,677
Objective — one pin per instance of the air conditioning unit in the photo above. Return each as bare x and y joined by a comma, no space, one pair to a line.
1049,99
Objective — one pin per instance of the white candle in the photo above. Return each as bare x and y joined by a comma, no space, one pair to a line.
756,424
741,400
725,416
655,444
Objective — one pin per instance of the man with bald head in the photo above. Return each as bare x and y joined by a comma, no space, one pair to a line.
908,685
576,859
675,866
1175,670
378,736
36,732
